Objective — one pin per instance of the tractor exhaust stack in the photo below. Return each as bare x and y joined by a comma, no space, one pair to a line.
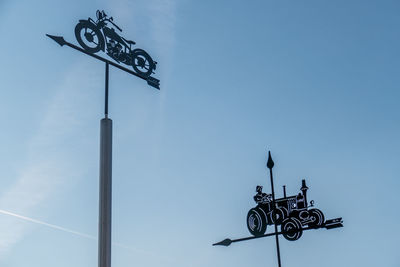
304,189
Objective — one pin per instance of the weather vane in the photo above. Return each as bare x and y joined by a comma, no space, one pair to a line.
95,36
294,214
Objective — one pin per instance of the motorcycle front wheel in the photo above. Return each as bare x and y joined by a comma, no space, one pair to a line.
142,63
89,37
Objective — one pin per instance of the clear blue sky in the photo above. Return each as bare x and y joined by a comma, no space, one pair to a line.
316,82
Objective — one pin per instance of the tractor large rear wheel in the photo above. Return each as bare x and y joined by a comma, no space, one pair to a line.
256,221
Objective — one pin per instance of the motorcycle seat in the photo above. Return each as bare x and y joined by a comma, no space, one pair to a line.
129,41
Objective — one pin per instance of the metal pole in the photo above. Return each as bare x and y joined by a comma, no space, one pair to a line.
106,93
270,165
105,193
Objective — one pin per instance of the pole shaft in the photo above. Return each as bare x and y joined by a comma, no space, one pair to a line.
105,193
276,226
106,92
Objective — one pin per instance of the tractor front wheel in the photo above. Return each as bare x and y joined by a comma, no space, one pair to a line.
317,218
292,229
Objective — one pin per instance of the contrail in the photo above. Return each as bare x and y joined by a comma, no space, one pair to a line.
47,224
69,231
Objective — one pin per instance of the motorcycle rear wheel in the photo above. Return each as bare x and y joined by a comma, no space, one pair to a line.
142,63
89,37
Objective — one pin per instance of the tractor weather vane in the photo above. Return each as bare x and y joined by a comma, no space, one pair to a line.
294,214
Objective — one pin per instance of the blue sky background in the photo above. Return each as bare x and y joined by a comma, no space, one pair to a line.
316,82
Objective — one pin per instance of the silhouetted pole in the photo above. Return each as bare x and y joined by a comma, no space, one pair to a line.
105,193
106,92
270,165
105,186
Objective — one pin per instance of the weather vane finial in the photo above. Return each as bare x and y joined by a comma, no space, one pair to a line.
270,162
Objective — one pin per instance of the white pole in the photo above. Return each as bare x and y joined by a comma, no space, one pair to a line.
105,193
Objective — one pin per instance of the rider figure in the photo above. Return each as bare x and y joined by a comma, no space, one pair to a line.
101,14
260,197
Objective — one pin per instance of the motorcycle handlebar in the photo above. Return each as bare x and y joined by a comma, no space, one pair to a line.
104,18
115,25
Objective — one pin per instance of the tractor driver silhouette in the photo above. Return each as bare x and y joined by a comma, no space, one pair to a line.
260,197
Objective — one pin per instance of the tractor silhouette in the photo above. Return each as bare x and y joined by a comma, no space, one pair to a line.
292,213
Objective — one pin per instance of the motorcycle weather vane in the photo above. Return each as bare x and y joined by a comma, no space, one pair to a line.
293,213
95,36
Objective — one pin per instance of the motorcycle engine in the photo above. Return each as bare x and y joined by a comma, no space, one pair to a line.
114,49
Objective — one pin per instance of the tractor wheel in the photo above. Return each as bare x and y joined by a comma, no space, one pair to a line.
292,229
317,218
256,221
278,215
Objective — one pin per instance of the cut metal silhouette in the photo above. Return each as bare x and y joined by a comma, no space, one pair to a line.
291,212
294,214
94,36
150,80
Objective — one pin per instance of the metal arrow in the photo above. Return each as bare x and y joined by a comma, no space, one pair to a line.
329,224
150,80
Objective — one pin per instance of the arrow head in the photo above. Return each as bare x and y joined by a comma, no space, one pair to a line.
270,162
58,39
225,242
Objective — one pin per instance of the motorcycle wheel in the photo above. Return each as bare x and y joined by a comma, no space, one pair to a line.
142,62
89,37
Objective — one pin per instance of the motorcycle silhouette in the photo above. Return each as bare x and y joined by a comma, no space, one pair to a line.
94,36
